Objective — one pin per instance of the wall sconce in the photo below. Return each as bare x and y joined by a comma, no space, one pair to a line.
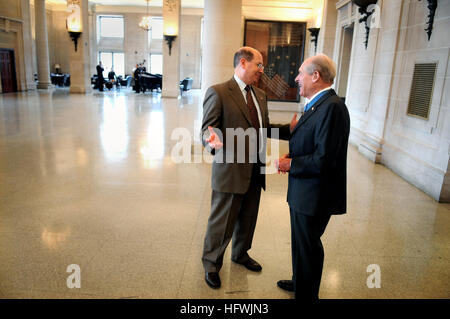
73,22
171,13
432,5
169,39
74,36
363,4
314,36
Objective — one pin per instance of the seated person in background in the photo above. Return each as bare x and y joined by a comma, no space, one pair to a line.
113,78
112,75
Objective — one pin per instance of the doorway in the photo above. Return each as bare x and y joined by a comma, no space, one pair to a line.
8,71
345,54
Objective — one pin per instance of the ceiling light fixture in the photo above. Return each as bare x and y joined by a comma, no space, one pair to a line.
146,22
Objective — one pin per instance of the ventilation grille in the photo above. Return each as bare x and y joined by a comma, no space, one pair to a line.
421,90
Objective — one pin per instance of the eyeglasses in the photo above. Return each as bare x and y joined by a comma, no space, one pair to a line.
260,66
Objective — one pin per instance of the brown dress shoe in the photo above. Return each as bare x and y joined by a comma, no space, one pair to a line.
212,279
287,285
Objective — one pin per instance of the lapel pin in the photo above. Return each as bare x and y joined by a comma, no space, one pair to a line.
312,108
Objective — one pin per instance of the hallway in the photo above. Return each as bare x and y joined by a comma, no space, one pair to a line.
89,180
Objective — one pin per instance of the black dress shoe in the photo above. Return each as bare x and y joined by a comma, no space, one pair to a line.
286,285
252,265
212,279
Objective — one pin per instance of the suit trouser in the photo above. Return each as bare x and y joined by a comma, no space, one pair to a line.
100,83
232,216
307,254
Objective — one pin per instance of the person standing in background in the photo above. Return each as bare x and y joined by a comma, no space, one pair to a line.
100,78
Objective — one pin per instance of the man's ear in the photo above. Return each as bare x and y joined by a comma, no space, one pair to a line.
242,63
315,76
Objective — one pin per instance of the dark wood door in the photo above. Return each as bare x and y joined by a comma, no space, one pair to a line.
8,71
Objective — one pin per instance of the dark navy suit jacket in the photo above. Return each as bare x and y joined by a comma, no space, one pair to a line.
318,148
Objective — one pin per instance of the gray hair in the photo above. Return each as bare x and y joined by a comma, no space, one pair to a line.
324,65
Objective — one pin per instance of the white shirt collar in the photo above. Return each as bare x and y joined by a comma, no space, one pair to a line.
241,83
242,86
312,97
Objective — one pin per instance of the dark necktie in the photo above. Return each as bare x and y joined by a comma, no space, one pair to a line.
255,122
252,108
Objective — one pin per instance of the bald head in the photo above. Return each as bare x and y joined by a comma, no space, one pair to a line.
247,53
248,65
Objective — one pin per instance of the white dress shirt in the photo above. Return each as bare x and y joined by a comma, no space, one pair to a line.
312,97
242,86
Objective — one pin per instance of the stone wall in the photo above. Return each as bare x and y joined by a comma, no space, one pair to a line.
379,85
15,34
191,51
417,149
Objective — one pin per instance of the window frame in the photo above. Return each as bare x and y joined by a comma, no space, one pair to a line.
150,62
110,16
112,60
162,31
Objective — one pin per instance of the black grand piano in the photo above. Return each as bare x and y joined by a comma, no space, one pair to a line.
150,81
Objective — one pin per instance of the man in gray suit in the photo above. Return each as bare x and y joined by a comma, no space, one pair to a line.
237,178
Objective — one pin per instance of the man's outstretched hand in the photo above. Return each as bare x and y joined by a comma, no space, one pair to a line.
294,122
214,140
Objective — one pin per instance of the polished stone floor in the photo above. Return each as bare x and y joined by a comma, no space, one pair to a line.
89,180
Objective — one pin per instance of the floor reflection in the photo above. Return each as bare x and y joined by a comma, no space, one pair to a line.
88,179
114,128
53,238
151,146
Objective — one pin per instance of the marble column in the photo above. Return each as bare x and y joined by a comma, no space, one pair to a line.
80,66
222,37
171,62
42,45
328,28
27,45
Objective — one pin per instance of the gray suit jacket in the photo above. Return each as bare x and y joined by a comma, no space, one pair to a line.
224,107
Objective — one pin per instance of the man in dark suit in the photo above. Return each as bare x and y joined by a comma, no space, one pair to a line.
112,75
317,166
137,78
237,177
100,79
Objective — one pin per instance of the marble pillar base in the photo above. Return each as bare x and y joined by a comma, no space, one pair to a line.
79,89
444,197
369,146
170,93
31,86
370,151
44,85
